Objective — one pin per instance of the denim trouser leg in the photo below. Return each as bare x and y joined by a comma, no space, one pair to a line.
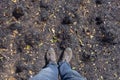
48,73
67,73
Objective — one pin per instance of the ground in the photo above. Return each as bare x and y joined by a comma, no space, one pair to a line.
90,27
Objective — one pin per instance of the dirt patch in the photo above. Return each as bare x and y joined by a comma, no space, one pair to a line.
90,27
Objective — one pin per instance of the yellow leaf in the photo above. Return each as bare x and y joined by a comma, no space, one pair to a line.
14,1
27,47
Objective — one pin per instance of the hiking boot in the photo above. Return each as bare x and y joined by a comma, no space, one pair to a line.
51,56
67,55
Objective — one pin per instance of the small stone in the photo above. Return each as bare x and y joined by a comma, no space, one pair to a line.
94,64
75,23
101,77
91,36
30,72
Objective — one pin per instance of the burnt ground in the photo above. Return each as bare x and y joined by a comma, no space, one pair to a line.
90,27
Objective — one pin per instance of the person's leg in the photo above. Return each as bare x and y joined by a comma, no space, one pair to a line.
66,72
50,72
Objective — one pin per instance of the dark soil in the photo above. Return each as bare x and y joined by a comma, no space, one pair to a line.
90,27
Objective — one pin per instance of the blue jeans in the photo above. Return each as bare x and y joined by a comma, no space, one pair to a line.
51,72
